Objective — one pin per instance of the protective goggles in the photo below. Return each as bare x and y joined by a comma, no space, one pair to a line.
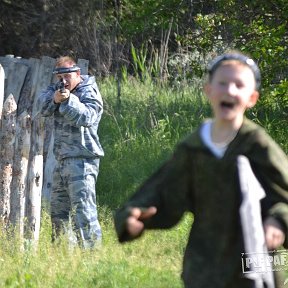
215,63
64,70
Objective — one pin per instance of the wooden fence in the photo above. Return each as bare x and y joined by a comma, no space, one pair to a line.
26,142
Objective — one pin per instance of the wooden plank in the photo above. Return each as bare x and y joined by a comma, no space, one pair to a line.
27,94
6,62
16,79
15,72
48,156
45,77
49,164
84,65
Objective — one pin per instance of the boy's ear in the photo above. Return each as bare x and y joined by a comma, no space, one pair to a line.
253,99
207,89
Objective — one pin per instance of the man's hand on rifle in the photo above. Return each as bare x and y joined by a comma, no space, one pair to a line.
60,97
61,94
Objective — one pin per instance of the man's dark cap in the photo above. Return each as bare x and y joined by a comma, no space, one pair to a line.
64,70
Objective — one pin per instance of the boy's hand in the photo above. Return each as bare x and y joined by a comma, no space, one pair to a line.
134,224
274,233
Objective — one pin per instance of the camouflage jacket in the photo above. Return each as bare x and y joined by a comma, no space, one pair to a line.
195,180
75,120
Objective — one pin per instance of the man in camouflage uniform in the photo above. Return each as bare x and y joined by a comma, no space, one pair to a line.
77,109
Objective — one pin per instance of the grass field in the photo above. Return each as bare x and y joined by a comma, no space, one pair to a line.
152,261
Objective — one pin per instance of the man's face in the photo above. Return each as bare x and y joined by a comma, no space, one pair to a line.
71,80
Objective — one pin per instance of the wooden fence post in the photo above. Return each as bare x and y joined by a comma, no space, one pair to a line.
6,155
22,148
15,79
35,175
2,83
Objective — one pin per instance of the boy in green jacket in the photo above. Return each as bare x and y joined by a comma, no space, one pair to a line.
234,179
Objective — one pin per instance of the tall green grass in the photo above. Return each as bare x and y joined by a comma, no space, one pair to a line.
137,138
142,133
138,264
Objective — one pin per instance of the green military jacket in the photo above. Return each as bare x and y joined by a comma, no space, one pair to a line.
193,179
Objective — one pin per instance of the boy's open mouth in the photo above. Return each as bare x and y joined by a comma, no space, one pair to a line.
225,104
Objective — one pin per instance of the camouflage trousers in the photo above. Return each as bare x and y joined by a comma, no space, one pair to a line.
73,197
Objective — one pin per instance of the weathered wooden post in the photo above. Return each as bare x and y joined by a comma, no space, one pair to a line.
83,64
7,139
22,149
35,175
20,170
2,84
16,73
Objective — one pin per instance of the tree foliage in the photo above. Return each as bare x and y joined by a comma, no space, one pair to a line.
180,35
